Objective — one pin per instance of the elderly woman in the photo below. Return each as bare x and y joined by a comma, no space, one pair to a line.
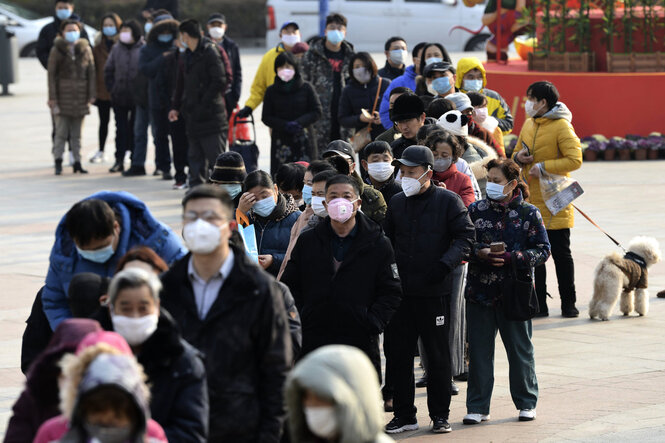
174,368
504,217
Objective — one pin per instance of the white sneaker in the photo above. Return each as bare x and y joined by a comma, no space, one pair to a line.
474,419
128,156
527,415
71,158
98,157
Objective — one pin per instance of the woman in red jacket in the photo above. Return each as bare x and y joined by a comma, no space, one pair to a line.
447,151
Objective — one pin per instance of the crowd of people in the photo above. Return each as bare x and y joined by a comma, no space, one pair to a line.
392,208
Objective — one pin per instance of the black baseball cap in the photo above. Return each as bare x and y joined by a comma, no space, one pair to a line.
438,67
415,155
289,23
217,17
339,147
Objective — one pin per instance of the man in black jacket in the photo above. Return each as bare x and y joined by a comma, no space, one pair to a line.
233,312
343,276
64,10
408,113
199,94
217,30
431,233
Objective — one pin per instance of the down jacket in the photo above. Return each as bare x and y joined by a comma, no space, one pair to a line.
264,77
552,141
138,227
120,72
407,80
72,80
160,70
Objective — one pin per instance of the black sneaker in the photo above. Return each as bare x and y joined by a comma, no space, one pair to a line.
399,424
134,171
422,381
440,425
454,390
167,176
570,312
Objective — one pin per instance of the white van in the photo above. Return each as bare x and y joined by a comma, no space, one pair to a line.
372,22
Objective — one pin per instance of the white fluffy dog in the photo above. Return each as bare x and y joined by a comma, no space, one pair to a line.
626,277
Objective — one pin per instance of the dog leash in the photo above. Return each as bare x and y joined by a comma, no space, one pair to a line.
600,229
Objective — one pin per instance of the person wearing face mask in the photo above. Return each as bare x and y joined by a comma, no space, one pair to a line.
175,369
327,66
343,276
93,235
290,109
217,28
432,53
463,104
324,393
377,159
229,174
438,81
396,57
120,72
289,179
273,215
506,217
105,399
548,142
431,232
409,115
472,77
64,10
233,312
71,91
362,93
289,35
481,117
447,150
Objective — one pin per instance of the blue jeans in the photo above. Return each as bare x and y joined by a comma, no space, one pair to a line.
483,323
141,123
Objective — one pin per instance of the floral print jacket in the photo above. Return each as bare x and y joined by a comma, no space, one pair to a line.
520,226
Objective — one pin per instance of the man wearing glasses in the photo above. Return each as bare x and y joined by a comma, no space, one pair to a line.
233,312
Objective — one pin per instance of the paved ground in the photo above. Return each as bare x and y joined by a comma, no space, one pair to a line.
599,381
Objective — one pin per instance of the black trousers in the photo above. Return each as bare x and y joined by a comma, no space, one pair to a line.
124,131
180,148
565,270
104,110
203,151
160,121
426,317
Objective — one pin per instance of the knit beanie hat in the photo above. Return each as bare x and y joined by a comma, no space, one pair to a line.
229,169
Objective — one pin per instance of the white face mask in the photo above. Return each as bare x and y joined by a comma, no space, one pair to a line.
411,186
495,191
380,171
322,421
290,39
217,32
135,330
431,90
480,114
530,108
317,206
201,237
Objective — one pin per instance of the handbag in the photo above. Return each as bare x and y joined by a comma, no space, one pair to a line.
519,301
362,137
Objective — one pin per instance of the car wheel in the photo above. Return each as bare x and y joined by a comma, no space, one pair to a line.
29,50
477,43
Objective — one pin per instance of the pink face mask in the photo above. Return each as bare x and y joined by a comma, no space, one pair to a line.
340,209
286,74
126,37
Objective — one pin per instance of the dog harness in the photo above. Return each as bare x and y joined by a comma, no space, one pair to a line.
634,268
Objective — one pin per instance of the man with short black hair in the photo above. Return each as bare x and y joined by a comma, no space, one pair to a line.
217,28
233,312
93,235
343,275
376,159
200,88
396,58
431,232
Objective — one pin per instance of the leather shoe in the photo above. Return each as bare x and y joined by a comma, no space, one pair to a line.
661,294
422,382
454,390
134,171
117,167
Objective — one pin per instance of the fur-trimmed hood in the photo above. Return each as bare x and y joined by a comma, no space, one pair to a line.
486,153
162,27
80,46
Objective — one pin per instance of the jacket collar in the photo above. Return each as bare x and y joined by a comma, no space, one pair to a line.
445,175
513,203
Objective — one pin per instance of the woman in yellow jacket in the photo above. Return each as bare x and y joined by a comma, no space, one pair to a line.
548,142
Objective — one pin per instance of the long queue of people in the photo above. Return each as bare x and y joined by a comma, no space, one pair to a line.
390,232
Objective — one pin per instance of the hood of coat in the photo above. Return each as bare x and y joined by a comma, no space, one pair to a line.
558,112
43,374
465,65
163,27
80,46
345,376
486,152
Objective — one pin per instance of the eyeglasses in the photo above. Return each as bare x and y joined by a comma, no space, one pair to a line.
207,216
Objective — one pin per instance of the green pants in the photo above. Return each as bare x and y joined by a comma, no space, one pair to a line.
483,323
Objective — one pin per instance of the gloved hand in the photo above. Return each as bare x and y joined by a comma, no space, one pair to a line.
244,112
292,127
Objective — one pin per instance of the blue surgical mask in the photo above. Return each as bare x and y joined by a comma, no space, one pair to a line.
63,14
473,85
98,255
307,194
109,31
335,36
181,50
264,207
495,191
165,38
431,60
147,27
72,36
184,44
232,189
441,85
398,56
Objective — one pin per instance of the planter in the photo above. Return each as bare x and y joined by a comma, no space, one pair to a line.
633,62
610,154
590,156
652,154
566,62
641,154
624,154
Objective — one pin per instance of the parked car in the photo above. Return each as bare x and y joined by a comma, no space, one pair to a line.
371,22
26,24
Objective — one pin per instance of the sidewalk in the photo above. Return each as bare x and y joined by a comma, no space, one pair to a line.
599,381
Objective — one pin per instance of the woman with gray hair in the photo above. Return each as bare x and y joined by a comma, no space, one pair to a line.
174,368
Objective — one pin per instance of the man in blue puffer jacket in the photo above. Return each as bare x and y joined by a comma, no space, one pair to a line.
94,234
